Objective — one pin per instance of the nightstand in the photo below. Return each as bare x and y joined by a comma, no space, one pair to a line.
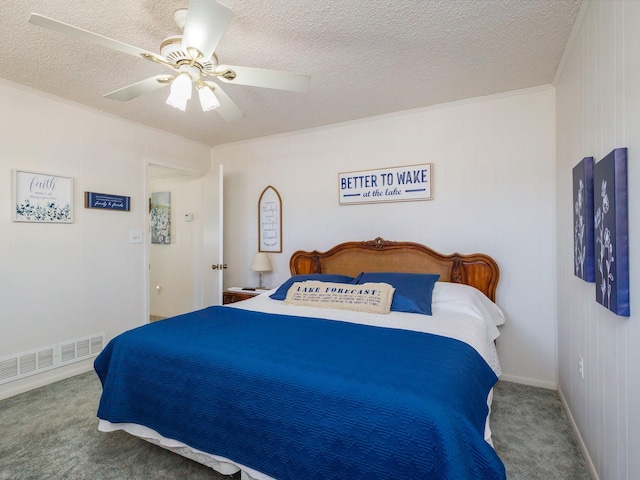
232,296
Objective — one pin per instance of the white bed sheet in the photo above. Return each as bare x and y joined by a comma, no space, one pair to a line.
218,463
459,312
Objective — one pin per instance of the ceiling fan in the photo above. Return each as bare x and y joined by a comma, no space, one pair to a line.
193,59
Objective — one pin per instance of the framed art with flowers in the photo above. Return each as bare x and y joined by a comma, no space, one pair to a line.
160,210
611,232
583,256
42,198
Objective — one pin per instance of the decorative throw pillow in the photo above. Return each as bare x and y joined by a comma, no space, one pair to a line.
413,290
367,297
281,292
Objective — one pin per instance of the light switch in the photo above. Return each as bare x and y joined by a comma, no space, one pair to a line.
135,236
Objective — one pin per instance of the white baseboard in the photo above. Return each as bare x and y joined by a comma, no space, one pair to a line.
576,432
529,381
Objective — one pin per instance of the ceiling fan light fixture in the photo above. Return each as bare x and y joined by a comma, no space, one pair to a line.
192,55
208,99
180,91
181,86
179,103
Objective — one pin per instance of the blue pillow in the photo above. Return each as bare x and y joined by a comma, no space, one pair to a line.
413,290
281,293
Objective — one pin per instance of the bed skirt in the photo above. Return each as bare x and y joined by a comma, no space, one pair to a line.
220,464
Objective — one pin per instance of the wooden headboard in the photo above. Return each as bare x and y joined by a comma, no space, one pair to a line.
379,255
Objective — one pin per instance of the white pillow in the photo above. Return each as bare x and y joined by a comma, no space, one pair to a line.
465,299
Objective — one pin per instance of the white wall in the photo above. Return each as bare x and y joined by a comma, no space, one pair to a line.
598,109
494,192
60,282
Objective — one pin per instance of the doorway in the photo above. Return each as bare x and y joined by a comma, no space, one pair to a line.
175,257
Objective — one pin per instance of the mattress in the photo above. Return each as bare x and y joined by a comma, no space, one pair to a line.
459,312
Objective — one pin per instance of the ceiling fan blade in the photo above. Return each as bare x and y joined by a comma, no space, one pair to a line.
227,109
259,77
206,22
86,35
145,86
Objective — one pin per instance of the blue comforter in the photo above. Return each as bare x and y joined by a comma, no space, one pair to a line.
301,398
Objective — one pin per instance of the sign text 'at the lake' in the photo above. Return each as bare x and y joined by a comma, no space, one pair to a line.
397,184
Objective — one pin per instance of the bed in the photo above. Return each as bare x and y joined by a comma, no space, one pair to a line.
281,389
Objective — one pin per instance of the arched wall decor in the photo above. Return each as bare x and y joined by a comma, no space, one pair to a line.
270,221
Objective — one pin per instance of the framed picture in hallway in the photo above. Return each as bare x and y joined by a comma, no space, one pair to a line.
42,198
612,232
583,256
160,209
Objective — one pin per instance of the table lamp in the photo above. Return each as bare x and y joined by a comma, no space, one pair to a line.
261,263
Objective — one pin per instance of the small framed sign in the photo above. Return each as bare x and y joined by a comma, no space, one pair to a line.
397,184
42,198
106,201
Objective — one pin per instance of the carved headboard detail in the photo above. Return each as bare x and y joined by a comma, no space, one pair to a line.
379,255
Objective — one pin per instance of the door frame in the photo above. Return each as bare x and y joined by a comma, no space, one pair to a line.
149,166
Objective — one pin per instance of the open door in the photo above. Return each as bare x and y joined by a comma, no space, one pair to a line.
220,266
214,264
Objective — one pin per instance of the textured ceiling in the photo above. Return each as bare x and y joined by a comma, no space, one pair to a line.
365,57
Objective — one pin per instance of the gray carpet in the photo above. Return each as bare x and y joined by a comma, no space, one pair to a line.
532,435
51,433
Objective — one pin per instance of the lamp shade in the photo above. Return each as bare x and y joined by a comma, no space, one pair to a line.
181,86
261,263
208,100
180,91
179,103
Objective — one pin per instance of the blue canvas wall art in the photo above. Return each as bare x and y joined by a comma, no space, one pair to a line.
583,249
612,232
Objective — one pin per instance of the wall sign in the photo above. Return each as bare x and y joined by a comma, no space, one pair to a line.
397,184
270,221
106,201
42,198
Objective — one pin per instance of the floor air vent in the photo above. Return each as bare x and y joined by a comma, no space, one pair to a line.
28,363
8,368
77,350
24,364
